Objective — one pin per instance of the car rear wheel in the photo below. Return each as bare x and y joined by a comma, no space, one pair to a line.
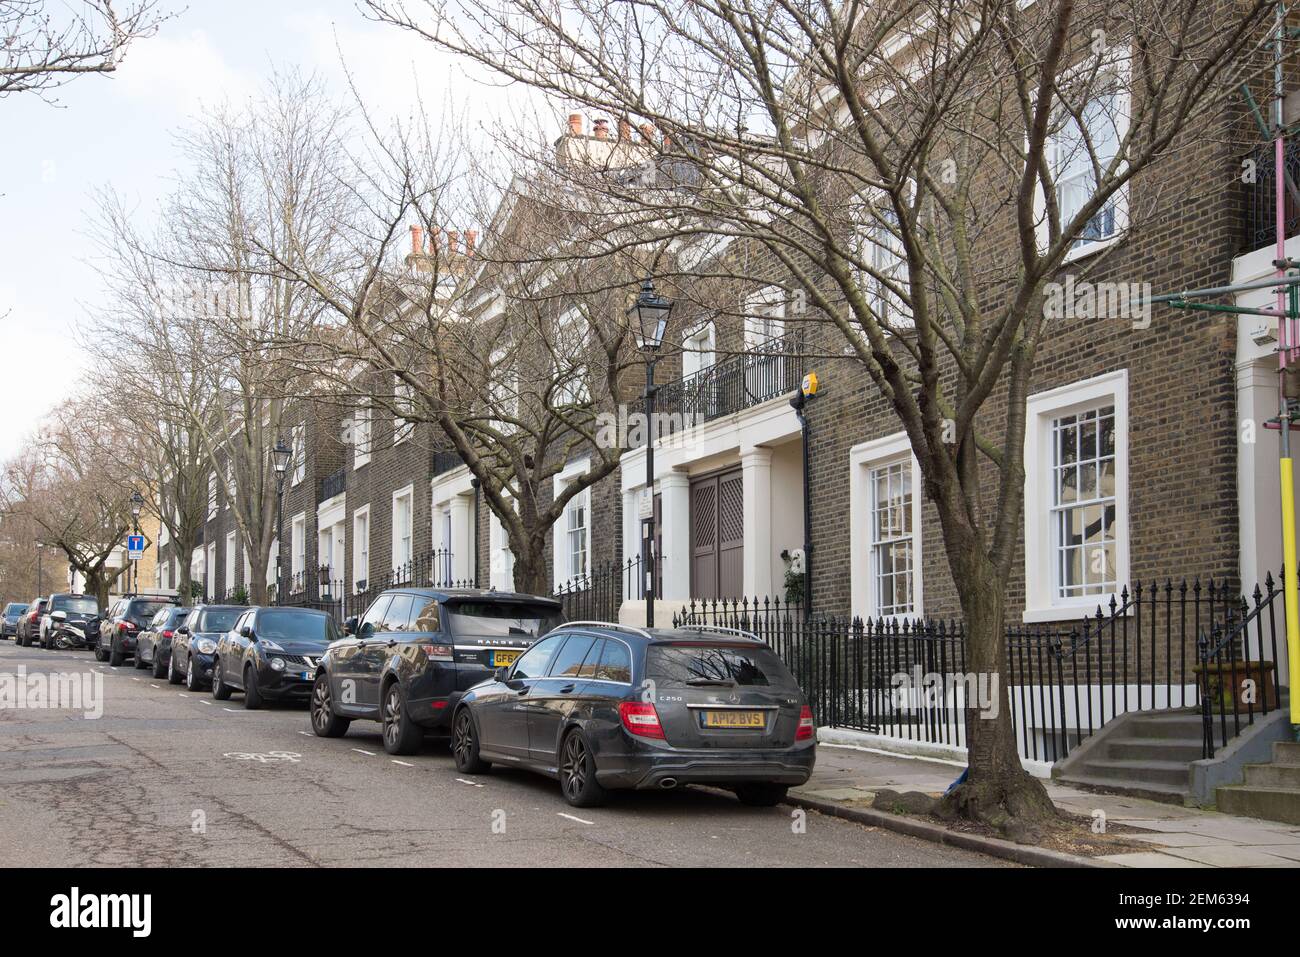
578,773
761,795
174,677
116,656
100,653
138,661
324,721
193,678
252,694
464,745
220,690
401,734
159,669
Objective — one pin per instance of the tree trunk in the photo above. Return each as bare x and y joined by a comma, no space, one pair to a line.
530,568
998,791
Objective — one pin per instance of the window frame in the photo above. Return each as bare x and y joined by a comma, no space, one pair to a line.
864,459
406,493
1042,603
360,549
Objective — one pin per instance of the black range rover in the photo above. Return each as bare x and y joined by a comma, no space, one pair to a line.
407,661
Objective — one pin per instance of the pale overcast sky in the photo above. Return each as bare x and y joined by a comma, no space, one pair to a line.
118,130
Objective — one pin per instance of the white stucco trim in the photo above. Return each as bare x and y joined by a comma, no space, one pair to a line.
863,457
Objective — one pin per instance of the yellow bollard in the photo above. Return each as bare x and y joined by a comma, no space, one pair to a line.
1289,589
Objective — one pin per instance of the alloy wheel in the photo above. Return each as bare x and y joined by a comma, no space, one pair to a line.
573,769
392,714
320,704
463,740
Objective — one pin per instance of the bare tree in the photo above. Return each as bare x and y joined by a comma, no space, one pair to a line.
212,310
74,494
510,362
918,173
41,50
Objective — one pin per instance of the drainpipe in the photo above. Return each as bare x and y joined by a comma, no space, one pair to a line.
798,403
474,483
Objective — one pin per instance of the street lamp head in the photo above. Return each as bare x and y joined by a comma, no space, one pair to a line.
137,504
650,314
282,454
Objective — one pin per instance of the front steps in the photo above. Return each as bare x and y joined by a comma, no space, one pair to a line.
1142,753
1270,791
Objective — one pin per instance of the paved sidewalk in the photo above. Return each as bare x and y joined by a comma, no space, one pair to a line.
1179,837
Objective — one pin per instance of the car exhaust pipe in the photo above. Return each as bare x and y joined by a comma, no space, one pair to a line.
668,783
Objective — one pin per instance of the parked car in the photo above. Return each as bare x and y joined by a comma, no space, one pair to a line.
194,644
408,660
603,706
271,654
122,625
71,620
153,646
30,623
9,619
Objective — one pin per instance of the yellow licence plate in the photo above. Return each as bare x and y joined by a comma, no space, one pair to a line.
734,719
502,658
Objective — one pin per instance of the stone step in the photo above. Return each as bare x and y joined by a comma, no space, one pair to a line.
1286,752
1270,803
1164,793
1154,749
1168,773
1273,775
1167,724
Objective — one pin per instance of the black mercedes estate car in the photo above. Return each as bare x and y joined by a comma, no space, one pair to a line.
409,659
271,653
603,706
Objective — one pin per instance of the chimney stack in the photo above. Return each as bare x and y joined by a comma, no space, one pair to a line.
471,238
417,241
624,130
575,124
601,129
648,132
453,242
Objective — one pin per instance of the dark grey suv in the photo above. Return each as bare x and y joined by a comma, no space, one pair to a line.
602,706
408,660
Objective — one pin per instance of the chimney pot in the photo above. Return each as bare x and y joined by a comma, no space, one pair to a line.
624,130
453,241
471,238
648,132
601,129
417,241
575,124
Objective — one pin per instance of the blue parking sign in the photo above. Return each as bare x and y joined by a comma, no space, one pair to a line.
135,546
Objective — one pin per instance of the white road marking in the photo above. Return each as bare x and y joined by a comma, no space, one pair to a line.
153,686
473,784
307,733
572,818
208,703
134,678
238,710
369,754
182,694
402,763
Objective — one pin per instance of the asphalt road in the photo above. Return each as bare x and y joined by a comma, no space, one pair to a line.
169,778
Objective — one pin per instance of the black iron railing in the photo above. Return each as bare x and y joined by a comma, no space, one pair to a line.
599,595
768,370
1261,198
444,460
333,484
908,678
1236,668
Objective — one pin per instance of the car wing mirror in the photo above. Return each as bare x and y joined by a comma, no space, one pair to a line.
350,626
503,674
59,616
247,632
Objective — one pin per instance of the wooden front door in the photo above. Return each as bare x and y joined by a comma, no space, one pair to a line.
717,535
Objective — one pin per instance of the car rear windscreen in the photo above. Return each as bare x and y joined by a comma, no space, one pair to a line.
219,619
289,625
481,619
76,605
686,665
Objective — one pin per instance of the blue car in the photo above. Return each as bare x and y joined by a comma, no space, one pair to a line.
9,619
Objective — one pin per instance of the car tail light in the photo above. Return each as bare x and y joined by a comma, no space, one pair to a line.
807,727
167,633
438,652
640,718
439,705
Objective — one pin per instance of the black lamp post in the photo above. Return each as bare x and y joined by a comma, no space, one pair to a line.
282,453
137,504
650,312
40,578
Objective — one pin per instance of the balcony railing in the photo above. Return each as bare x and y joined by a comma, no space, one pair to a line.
768,370
333,484
1261,216
444,460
